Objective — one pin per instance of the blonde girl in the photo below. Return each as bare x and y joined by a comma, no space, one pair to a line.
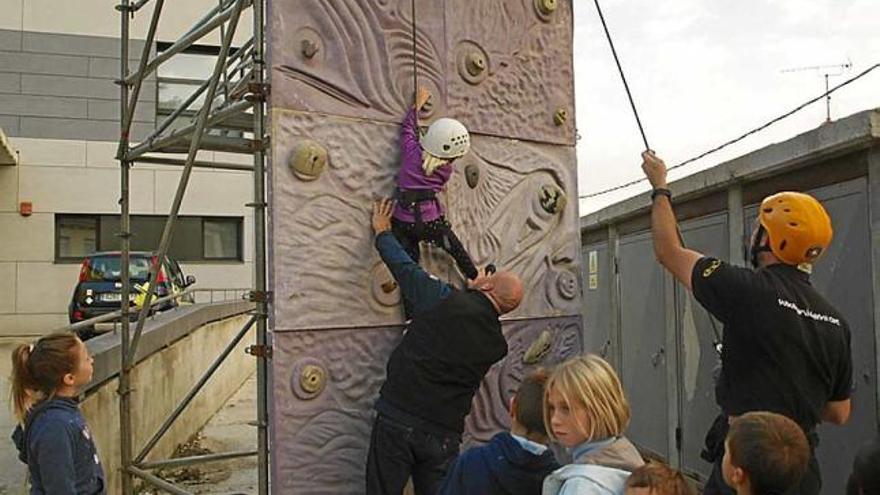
586,412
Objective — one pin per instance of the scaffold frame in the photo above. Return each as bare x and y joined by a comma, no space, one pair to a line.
239,76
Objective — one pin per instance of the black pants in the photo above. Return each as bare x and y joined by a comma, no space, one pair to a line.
439,233
398,451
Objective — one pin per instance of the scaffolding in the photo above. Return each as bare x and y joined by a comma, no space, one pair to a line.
234,98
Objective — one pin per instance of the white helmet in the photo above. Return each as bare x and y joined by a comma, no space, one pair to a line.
446,138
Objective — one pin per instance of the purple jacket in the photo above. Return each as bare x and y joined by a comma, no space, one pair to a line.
411,176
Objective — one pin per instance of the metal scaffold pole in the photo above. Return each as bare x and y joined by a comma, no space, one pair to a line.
260,255
124,391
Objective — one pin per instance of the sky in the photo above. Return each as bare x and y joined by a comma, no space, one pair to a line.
705,71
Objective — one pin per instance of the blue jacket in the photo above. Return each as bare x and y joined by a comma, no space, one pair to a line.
57,446
502,466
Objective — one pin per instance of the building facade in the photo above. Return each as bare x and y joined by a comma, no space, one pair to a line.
59,108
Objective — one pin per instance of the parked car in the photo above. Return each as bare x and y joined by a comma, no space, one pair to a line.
99,290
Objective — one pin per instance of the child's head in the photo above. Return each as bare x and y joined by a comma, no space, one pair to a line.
526,408
865,476
584,401
765,453
656,478
56,362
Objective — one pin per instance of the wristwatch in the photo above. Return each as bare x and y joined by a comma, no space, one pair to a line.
660,191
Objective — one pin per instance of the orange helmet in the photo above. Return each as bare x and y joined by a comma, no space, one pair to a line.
798,227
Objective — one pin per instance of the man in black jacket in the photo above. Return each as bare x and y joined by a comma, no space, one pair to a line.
433,374
785,348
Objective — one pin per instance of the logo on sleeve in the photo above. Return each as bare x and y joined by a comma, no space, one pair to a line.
711,268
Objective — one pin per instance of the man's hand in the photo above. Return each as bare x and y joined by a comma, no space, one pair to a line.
382,210
422,97
655,169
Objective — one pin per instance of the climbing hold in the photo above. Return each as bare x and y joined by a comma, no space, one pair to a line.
552,199
309,48
546,8
475,64
472,175
308,160
309,378
310,45
472,62
383,287
312,379
539,348
566,284
560,116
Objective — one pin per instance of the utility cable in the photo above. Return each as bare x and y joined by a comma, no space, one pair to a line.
740,138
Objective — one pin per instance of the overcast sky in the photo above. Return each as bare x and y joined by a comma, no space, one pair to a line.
705,71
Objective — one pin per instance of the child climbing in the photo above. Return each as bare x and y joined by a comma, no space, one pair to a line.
52,437
426,166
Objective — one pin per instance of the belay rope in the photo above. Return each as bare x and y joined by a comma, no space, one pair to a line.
717,336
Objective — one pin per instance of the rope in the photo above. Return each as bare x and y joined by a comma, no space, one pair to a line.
740,138
414,55
622,76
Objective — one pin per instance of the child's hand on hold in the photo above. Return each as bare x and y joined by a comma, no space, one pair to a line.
422,97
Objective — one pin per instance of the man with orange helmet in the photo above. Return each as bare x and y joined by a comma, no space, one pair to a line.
785,348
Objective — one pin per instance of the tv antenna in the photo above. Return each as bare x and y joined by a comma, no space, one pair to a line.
832,70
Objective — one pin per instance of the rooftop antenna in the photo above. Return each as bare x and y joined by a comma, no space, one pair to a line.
832,70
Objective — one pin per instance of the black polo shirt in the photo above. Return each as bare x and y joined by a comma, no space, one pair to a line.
785,348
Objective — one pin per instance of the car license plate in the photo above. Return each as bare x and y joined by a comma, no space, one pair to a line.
115,297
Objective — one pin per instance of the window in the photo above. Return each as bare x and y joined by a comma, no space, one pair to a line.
181,75
222,238
75,236
195,238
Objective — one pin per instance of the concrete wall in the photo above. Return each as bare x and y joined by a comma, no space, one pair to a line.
159,383
59,105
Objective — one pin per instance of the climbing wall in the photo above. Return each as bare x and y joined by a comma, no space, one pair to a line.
342,78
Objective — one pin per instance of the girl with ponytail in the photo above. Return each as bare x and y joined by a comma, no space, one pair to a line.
52,437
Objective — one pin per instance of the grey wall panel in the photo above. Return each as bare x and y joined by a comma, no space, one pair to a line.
43,106
842,276
10,82
326,270
698,360
80,87
38,63
109,110
643,341
71,44
10,124
527,73
597,283
362,66
10,40
94,130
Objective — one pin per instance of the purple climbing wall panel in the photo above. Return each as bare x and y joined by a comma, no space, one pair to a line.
341,75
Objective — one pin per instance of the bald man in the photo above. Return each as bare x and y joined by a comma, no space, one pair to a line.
452,341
